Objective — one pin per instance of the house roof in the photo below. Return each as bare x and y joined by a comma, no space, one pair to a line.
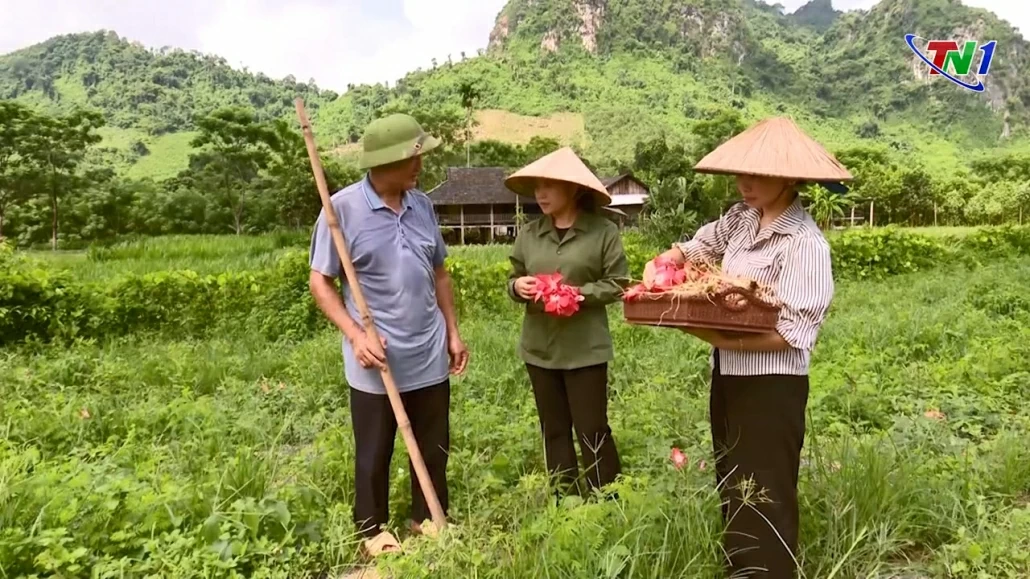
473,186
609,181
485,186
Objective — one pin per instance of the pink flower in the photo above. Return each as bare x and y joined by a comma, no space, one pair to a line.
546,284
666,275
559,299
679,460
634,292
662,261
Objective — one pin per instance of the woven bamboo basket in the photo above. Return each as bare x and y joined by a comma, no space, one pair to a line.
734,309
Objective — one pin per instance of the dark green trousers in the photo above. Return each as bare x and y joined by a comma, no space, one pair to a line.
758,429
576,400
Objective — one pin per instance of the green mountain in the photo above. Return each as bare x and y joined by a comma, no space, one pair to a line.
158,91
621,72
817,14
150,98
860,66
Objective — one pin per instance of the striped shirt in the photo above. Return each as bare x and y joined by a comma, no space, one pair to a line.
791,256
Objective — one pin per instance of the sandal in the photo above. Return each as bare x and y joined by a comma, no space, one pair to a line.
428,528
384,542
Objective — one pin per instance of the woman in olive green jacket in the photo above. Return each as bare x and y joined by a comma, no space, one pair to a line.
567,357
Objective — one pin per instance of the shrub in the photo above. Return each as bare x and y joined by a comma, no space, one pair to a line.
639,250
39,305
1000,241
479,284
284,307
878,253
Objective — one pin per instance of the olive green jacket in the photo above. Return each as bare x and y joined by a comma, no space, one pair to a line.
590,257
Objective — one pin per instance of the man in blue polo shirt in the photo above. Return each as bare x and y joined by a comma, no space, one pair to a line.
398,253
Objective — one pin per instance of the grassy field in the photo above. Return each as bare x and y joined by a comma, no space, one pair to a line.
211,254
204,254
231,455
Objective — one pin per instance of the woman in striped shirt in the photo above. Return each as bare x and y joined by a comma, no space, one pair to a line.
760,384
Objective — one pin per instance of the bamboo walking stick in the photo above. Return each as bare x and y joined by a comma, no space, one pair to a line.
366,319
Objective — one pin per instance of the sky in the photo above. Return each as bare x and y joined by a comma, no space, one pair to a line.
336,42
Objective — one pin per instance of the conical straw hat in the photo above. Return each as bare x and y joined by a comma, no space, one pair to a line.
561,165
775,147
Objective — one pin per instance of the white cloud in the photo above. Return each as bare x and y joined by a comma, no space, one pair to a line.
336,42
1017,12
304,39
155,23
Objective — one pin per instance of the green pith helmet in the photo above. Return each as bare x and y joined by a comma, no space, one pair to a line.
394,138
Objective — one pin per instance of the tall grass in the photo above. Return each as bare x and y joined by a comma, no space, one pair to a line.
205,254
218,253
185,458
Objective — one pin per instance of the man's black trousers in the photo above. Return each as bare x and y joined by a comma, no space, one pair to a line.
375,430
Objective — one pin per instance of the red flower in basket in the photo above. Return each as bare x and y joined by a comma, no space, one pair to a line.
634,292
669,277
662,261
559,299
664,275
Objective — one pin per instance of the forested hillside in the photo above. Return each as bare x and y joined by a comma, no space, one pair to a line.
645,66
155,91
642,85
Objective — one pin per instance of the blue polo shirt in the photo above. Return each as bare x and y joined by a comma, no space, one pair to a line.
394,256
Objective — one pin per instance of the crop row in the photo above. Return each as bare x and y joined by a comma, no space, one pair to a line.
40,304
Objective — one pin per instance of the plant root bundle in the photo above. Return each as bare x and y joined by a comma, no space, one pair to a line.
697,282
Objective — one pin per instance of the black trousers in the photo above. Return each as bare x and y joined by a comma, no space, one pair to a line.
375,429
568,400
758,429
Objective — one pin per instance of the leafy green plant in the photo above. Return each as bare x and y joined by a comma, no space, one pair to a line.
882,252
40,303
998,241
228,452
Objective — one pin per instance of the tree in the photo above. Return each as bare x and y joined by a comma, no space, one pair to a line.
714,131
668,211
680,198
291,181
469,96
15,123
235,148
536,147
824,205
292,184
655,161
916,195
876,178
491,153
57,146
104,210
